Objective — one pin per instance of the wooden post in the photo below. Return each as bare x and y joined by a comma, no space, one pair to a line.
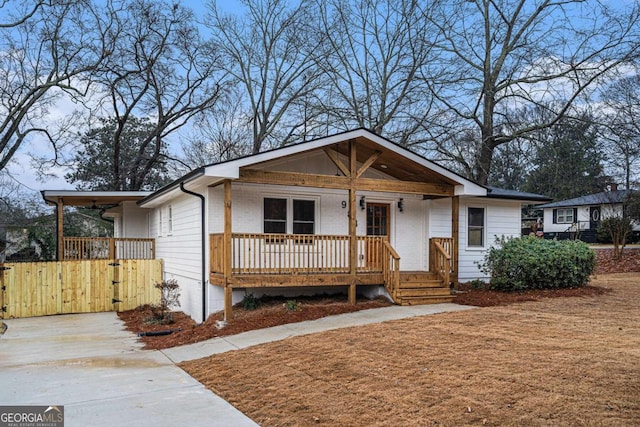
112,248
228,310
353,240
60,230
455,234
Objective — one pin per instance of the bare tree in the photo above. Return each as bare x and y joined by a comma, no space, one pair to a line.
163,71
373,51
494,56
19,15
222,133
621,117
268,53
47,49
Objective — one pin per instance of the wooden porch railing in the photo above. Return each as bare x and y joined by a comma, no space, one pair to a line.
257,253
440,255
87,248
391,269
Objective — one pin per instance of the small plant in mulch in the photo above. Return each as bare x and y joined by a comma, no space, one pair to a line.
169,299
250,302
477,284
292,305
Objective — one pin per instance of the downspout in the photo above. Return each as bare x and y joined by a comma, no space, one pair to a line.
204,242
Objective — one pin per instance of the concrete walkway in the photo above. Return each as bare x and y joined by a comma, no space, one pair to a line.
276,333
99,372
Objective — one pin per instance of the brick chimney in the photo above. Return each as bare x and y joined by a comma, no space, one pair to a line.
613,186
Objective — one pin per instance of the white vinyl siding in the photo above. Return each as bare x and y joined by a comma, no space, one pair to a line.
181,249
502,218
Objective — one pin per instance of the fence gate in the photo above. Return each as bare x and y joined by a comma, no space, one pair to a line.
44,288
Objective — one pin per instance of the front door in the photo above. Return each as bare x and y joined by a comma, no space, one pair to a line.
594,217
378,221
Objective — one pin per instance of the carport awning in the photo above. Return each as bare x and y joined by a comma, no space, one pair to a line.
91,198
60,198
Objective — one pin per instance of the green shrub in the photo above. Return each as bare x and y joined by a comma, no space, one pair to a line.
250,302
531,263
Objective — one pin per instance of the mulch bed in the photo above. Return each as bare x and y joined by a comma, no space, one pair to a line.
629,263
271,312
490,298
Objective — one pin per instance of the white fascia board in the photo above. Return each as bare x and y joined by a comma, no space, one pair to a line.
470,189
225,171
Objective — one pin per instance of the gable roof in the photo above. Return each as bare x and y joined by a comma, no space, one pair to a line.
394,160
603,198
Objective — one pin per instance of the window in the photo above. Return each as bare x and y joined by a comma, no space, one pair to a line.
170,219
475,227
275,215
160,223
564,216
276,219
304,214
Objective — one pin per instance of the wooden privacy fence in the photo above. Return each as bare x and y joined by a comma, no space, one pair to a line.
42,288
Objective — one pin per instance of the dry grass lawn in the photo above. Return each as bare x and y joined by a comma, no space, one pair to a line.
556,362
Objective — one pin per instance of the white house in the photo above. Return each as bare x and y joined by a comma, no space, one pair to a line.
350,211
582,215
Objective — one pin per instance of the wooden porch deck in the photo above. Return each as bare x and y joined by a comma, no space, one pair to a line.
288,260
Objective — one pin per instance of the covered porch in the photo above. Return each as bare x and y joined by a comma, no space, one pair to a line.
366,257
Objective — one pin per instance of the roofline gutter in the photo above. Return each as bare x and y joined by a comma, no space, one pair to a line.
522,199
196,173
202,249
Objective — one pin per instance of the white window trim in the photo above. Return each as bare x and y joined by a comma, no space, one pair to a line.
169,220
564,216
484,228
289,220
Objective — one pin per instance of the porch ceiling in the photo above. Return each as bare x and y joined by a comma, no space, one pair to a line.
90,198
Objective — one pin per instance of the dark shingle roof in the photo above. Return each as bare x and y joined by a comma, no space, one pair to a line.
603,198
500,193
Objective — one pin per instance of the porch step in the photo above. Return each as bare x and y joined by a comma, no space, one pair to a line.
417,276
423,292
427,300
421,287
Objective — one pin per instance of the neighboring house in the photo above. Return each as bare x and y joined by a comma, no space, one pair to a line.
580,216
350,211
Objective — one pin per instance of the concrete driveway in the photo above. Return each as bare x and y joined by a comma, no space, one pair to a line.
97,370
